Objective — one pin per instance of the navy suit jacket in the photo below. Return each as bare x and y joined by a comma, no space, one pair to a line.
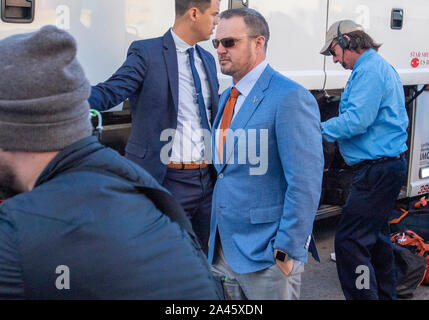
150,79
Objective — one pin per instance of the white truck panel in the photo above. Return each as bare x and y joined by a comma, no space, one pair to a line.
419,152
296,30
400,48
103,28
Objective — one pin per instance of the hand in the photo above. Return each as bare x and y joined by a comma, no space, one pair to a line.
285,266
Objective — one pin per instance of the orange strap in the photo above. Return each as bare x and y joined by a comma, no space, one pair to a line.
411,238
424,278
422,203
395,221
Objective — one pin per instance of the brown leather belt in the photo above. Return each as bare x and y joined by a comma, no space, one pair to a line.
188,166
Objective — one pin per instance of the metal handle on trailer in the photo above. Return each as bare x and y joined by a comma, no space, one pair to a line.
17,11
233,4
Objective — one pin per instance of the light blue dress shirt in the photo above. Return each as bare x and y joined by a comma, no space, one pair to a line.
244,86
373,121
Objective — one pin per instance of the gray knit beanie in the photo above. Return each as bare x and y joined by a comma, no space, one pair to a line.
43,92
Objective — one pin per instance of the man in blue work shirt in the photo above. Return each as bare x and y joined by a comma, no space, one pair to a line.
371,131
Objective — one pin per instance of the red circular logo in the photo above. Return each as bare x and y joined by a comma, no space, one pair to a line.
415,62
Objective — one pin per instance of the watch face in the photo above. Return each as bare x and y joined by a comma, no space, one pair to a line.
281,256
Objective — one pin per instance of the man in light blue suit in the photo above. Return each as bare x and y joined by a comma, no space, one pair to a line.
267,149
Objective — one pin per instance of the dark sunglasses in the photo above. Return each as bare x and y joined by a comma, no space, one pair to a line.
332,51
228,42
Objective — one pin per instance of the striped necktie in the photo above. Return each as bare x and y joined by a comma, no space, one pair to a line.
203,113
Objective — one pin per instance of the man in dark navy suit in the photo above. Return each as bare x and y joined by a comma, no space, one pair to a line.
172,86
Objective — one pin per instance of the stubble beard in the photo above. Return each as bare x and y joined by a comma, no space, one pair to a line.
7,183
227,71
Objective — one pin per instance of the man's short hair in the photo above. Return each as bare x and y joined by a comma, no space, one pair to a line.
360,40
255,21
182,6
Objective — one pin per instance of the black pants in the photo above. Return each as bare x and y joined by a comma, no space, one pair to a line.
194,190
362,241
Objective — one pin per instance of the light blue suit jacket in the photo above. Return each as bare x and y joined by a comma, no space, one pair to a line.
256,212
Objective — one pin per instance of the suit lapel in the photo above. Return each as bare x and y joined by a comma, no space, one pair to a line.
240,121
212,77
170,57
250,105
222,103
216,124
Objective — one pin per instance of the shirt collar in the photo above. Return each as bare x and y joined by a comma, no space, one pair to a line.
181,45
246,84
366,55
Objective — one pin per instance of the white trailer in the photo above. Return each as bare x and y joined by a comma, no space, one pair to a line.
105,28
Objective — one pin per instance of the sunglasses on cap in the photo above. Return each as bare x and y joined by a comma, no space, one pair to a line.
228,42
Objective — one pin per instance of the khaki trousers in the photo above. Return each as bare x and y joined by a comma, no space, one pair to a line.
268,284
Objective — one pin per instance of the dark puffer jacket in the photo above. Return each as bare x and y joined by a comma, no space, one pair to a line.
86,227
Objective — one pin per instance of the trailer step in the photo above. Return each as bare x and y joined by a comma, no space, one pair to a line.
326,211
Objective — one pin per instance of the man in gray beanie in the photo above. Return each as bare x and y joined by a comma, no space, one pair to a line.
79,222
43,101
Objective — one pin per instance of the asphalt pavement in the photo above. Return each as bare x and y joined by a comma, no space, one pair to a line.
320,280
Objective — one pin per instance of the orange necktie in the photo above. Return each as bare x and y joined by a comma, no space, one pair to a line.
226,120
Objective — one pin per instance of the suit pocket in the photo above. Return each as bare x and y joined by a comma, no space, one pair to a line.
266,215
136,150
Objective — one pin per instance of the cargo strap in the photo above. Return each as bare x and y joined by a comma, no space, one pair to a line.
395,221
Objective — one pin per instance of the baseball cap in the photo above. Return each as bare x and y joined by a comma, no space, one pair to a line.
346,26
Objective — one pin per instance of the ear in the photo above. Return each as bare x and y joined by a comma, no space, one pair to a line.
348,39
260,42
192,14
353,45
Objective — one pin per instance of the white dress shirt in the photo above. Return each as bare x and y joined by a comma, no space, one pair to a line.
188,144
